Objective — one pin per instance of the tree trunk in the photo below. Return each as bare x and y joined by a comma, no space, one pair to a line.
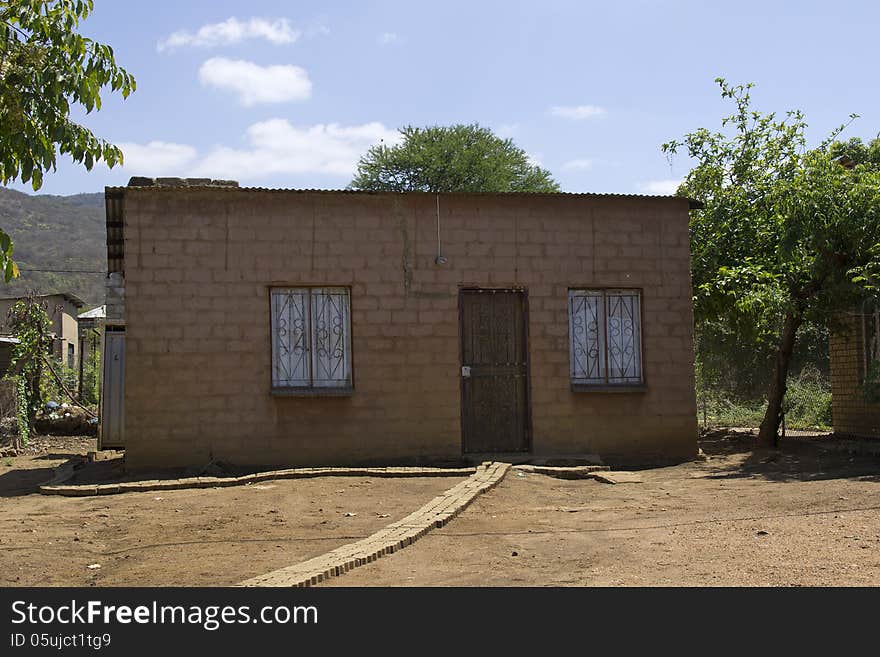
34,401
768,435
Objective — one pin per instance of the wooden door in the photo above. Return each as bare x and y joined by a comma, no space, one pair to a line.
494,371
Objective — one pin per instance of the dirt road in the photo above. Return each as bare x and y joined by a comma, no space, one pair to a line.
804,517
807,515
197,537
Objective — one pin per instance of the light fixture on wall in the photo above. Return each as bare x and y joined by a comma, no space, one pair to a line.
440,259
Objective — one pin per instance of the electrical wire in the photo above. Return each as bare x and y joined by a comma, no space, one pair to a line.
63,271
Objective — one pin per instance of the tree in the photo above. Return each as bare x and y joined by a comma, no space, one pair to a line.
788,236
28,322
855,151
45,68
457,158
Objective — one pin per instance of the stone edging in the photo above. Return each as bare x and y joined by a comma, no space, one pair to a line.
563,471
57,487
395,536
867,447
63,472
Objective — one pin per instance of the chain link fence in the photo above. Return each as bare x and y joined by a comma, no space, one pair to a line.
807,404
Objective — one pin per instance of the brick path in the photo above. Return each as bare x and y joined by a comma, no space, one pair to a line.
67,471
395,536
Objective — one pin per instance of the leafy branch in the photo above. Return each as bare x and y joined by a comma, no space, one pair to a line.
787,238
46,68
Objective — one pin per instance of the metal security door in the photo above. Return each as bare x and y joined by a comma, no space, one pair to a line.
112,430
494,372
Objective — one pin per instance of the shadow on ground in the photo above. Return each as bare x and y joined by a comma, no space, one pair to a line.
25,481
802,458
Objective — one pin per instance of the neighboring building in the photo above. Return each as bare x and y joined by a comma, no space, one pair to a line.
91,320
855,353
855,359
90,324
7,344
284,327
62,308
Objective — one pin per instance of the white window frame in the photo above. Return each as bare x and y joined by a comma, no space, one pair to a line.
311,338
605,337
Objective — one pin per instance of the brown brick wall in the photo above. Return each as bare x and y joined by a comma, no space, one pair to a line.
199,265
852,413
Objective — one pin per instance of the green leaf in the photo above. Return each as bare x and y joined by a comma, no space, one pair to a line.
457,158
46,66
786,231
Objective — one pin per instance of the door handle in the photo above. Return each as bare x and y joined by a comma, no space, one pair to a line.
465,371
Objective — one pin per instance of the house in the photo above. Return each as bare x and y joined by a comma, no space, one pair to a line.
90,324
855,359
62,309
854,348
302,327
7,345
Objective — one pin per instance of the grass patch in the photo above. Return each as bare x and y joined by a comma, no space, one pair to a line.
807,405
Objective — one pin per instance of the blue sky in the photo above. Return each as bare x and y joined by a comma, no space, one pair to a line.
287,94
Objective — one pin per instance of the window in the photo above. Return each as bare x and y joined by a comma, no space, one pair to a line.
311,339
871,335
605,334
71,355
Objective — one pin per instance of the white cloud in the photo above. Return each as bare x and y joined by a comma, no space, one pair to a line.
578,164
507,130
157,158
278,147
387,38
577,112
661,187
254,83
278,31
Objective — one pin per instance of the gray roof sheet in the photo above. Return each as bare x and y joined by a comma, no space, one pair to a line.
215,186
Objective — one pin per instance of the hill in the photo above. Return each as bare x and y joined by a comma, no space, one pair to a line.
56,239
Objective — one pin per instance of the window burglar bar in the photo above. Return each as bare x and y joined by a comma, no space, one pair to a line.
605,337
311,338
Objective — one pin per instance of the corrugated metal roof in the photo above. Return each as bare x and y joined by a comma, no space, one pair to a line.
95,313
67,295
216,187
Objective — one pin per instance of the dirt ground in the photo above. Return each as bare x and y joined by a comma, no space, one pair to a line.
805,515
200,537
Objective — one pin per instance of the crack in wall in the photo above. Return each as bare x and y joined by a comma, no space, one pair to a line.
407,257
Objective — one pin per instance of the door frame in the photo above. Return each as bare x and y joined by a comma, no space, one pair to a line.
523,293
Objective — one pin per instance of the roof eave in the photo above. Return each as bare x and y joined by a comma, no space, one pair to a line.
218,187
